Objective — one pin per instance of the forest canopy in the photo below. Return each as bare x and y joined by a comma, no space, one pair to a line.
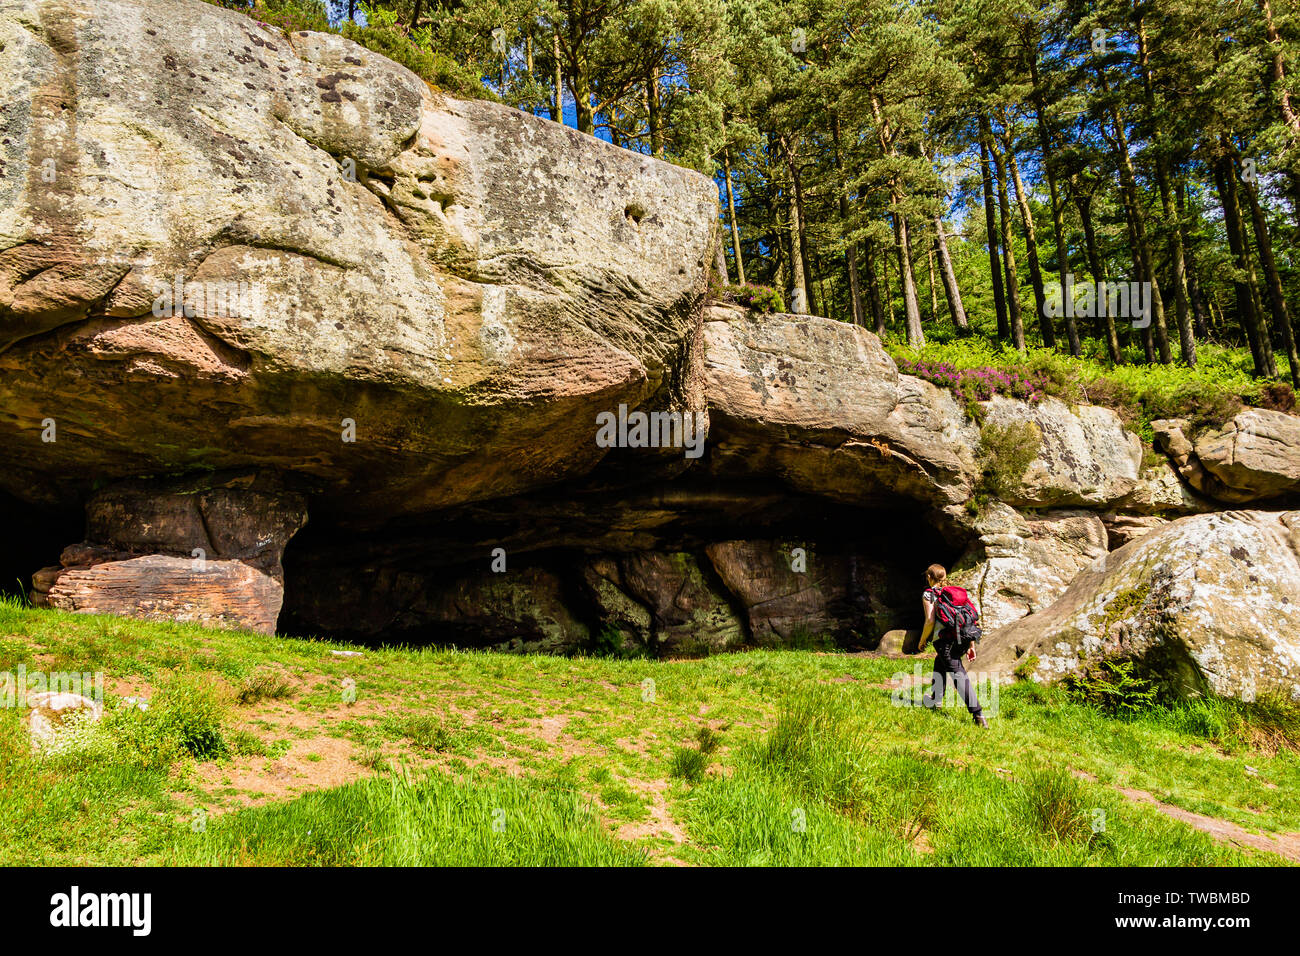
1116,181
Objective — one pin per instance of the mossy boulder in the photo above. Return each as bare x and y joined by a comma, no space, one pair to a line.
1209,603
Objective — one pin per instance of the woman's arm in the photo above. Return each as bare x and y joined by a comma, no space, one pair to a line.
929,624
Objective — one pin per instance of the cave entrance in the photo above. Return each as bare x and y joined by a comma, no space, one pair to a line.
681,569
36,536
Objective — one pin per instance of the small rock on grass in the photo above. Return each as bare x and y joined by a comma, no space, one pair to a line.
49,712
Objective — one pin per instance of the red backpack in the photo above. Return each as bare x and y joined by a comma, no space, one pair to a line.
956,616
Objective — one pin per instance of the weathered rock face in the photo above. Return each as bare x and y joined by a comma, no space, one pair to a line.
716,597
526,609
1121,528
1160,491
1255,457
469,300
626,623
1208,600
794,594
1023,563
521,611
685,610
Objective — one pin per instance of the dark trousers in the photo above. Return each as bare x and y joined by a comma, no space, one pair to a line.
948,666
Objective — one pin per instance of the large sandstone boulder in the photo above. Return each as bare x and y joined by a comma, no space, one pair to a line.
55,719
164,588
1209,601
206,550
1023,563
1254,457
1087,458
821,405
224,246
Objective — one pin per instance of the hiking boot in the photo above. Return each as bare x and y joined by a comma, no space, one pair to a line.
981,721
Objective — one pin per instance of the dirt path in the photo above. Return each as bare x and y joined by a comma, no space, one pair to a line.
1285,845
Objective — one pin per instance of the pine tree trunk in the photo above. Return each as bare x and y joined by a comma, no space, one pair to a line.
906,275
827,305
873,287
731,212
850,253
1277,78
1128,182
990,225
1273,282
1140,272
557,105
1178,264
1058,214
1199,306
815,306
934,288
652,113
902,235
1244,282
856,313
584,115
1047,329
950,288
1008,248
889,296
1107,321
798,284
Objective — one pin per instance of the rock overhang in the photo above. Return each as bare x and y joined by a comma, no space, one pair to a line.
459,280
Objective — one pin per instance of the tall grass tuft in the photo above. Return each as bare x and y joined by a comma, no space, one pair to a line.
423,731
263,685
690,765
1054,802
817,746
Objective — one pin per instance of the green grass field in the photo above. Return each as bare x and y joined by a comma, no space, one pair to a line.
266,750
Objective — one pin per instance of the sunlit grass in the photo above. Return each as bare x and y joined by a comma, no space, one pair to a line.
780,757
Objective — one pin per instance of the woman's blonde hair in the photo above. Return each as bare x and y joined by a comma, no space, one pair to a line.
936,574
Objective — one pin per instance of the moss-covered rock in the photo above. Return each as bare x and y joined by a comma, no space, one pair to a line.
1208,603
